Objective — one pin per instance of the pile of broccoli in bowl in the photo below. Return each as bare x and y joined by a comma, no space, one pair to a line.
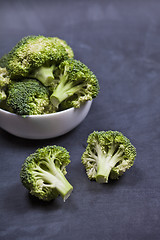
41,76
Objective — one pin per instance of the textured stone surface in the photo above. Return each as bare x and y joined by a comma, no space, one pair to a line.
120,42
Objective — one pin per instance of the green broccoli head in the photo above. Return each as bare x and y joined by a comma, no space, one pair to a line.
37,57
77,84
28,97
4,82
107,155
43,173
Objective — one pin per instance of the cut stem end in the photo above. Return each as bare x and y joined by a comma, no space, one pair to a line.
55,101
101,179
67,194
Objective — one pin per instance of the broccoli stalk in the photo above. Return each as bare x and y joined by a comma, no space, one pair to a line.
52,177
44,74
107,155
105,163
43,173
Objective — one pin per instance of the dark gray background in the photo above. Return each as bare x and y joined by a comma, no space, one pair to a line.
120,42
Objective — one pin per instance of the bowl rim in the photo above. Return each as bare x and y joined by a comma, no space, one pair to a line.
47,114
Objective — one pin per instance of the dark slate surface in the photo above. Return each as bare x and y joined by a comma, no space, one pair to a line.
120,42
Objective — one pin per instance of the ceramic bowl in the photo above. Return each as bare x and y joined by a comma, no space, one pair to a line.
43,126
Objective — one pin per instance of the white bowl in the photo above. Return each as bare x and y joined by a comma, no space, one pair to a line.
43,126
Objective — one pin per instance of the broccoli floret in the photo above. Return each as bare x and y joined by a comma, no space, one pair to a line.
77,84
28,97
107,155
43,173
37,57
4,82
3,61
62,43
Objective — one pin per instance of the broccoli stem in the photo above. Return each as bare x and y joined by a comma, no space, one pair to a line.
63,186
64,90
103,170
44,75
54,178
106,163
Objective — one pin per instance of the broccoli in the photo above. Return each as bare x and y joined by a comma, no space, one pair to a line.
43,173
3,61
77,84
61,43
107,155
28,97
4,81
37,57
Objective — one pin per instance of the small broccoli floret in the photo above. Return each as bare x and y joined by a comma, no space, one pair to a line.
3,61
28,97
4,81
43,173
108,154
57,41
77,84
37,57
